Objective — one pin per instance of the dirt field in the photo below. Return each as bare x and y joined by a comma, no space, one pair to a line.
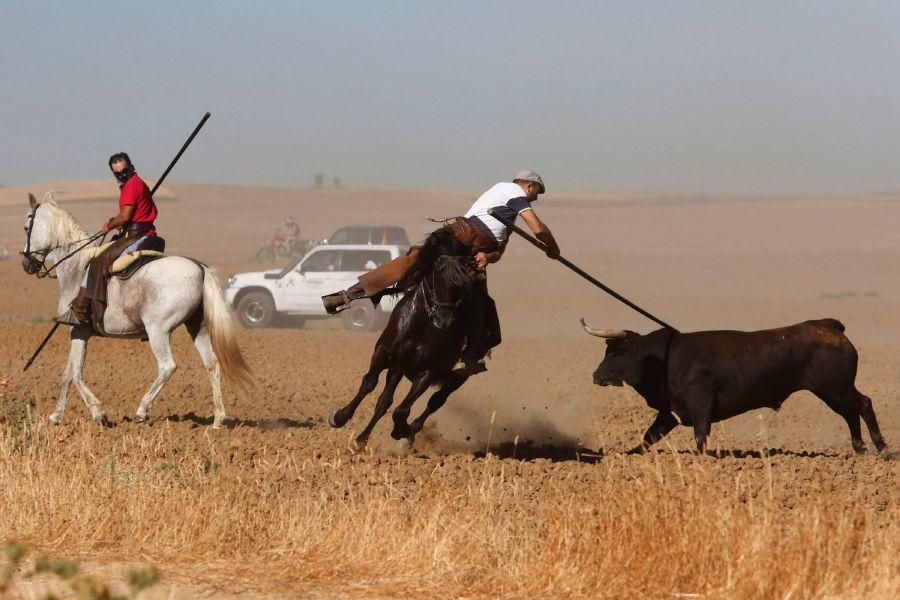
519,486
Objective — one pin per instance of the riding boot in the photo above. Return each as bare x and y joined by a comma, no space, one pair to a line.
338,301
475,350
81,307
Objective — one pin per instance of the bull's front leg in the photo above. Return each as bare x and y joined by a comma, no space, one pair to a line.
701,433
662,425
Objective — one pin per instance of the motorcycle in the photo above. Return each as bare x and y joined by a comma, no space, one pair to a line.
277,248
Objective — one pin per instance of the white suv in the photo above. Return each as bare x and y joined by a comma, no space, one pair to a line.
298,288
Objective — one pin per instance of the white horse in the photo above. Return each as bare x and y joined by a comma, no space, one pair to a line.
159,297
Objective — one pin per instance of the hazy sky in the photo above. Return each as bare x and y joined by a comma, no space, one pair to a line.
744,97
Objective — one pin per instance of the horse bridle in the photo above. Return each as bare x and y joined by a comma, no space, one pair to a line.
40,263
434,305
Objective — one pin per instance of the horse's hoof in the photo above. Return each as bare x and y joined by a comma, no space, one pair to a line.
100,418
139,418
218,423
54,419
334,421
404,445
401,432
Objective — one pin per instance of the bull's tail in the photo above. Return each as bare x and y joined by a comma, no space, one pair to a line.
222,333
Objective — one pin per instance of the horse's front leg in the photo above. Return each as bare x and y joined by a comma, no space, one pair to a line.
162,350
77,356
55,417
401,413
387,397
437,400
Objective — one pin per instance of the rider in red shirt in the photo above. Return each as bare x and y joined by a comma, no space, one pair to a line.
135,202
137,213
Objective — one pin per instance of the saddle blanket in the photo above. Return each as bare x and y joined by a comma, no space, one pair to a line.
127,259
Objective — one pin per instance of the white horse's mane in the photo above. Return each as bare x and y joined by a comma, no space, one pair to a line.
64,229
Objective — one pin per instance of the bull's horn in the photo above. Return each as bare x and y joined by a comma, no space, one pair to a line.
612,334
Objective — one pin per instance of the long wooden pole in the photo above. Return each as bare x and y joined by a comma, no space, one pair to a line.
543,247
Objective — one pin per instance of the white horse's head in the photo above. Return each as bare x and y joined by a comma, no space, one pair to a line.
47,228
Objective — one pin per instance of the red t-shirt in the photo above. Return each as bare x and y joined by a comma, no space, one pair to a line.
136,193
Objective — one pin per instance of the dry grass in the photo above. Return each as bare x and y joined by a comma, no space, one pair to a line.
457,526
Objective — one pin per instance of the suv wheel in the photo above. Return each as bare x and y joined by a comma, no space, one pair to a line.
361,316
256,309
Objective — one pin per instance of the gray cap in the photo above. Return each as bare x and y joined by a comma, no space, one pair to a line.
529,175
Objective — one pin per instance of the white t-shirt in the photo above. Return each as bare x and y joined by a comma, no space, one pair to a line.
508,200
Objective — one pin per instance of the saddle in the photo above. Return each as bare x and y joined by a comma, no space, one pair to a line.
129,264
108,262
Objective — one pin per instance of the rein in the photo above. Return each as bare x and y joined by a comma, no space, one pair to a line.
433,303
87,242
41,262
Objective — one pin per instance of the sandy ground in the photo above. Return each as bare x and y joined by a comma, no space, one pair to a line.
699,263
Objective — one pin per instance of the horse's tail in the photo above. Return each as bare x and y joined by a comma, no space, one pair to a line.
222,332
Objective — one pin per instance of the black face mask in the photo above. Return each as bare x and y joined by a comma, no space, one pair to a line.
124,175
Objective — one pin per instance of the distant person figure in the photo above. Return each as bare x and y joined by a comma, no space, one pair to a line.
487,238
135,222
288,233
4,253
319,180
337,183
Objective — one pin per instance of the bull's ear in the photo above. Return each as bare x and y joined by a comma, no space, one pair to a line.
32,201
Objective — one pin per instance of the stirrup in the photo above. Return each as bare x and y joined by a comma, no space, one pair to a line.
332,307
68,318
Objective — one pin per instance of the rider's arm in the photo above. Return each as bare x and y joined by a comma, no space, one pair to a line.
483,259
126,213
541,231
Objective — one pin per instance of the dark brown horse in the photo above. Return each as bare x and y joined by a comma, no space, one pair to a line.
423,340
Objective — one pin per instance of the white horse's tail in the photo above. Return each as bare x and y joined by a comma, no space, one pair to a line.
222,332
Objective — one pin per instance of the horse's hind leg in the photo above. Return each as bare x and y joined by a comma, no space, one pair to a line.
162,350
77,355
339,418
437,400
420,384
200,334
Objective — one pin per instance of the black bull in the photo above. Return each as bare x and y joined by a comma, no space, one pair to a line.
697,379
